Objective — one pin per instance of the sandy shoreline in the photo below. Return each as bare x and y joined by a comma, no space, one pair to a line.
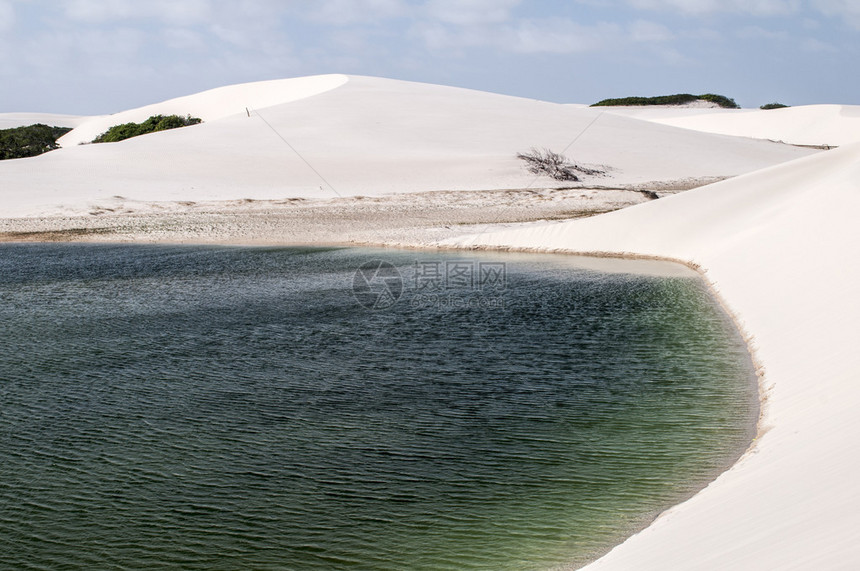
407,219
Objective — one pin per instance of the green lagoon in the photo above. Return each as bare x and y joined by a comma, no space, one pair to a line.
293,408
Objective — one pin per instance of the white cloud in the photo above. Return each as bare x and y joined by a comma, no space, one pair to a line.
243,43
471,12
847,9
817,46
100,11
645,31
540,36
233,35
757,32
7,16
229,41
701,34
184,39
755,7
830,7
346,12
439,37
94,52
562,37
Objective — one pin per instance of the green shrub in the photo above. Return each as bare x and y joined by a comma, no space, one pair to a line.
678,99
773,106
721,100
29,141
153,124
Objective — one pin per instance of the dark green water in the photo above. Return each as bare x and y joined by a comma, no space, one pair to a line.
228,408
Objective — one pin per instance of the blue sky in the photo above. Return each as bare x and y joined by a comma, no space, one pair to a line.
102,56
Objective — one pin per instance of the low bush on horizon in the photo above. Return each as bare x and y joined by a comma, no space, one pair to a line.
152,125
773,106
29,141
677,99
721,100
554,165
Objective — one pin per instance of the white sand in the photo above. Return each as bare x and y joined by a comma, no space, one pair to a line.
405,219
213,104
831,125
780,247
11,120
358,136
778,244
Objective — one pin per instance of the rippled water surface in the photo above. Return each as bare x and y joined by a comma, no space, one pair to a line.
230,408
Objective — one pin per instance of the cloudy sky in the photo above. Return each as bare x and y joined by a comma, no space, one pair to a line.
101,56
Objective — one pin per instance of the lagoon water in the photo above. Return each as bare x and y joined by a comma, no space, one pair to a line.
287,408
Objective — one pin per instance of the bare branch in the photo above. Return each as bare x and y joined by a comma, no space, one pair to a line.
554,165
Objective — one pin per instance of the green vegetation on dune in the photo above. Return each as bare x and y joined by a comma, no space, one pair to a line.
21,142
677,99
153,124
773,106
721,100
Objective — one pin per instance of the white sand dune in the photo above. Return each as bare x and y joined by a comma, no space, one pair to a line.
11,120
358,136
830,125
213,104
780,247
